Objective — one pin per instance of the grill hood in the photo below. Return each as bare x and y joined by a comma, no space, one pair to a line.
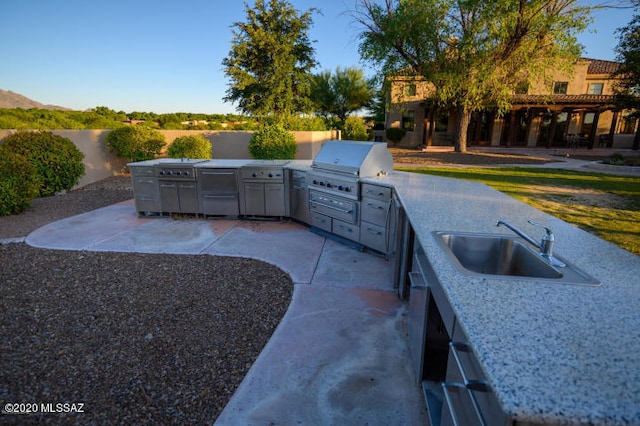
360,159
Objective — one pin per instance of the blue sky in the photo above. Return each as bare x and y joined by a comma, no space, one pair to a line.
165,56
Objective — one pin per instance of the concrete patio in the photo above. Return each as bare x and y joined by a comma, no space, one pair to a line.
339,355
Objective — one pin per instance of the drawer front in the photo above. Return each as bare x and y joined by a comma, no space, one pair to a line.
143,172
149,203
145,185
378,192
321,221
346,230
373,236
215,204
374,211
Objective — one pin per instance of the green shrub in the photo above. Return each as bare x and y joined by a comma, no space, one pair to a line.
395,134
192,146
136,143
355,130
19,182
56,159
272,142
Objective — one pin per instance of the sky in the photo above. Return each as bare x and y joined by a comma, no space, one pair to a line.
166,56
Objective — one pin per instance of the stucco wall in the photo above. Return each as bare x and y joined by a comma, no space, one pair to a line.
100,163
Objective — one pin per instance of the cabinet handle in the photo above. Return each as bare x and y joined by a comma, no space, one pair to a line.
218,173
219,196
373,231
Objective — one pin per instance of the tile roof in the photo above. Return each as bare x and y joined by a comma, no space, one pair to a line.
563,99
599,66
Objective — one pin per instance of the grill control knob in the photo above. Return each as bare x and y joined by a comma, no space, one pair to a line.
329,185
254,175
178,173
270,175
161,172
186,173
321,183
347,189
340,187
315,182
169,173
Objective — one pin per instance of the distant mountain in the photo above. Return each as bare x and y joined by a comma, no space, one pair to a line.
8,99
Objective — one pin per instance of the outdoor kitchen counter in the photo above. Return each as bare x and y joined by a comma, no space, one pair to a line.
553,353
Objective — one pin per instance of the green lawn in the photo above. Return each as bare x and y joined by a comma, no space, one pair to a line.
605,205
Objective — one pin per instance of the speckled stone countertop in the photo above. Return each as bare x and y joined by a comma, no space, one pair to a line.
553,353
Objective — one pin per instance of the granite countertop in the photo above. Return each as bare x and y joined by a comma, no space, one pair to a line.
553,353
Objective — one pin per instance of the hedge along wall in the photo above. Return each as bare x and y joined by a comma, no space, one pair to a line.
100,163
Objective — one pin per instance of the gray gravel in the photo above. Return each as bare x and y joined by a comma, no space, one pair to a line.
136,338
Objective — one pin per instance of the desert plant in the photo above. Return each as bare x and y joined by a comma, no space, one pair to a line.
395,134
191,146
271,142
57,161
19,182
355,130
136,143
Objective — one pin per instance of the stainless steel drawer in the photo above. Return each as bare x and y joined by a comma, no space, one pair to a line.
378,192
373,236
374,211
321,221
346,230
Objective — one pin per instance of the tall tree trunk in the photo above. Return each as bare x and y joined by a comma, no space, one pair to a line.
462,126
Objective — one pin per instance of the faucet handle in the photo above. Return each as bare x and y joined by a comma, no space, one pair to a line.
546,228
546,245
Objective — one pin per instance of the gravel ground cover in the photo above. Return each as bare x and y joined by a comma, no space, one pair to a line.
135,338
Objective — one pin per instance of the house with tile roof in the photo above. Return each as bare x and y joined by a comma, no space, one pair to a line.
577,111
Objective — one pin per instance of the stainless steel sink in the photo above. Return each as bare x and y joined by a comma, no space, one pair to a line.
506,256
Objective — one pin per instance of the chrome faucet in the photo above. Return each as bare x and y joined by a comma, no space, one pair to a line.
545,246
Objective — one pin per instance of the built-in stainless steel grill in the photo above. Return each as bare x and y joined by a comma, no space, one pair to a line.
334,182
359,159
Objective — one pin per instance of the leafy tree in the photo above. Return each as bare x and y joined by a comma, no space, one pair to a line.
57,161
474,52
19,182
273,142
270,60
136,143
628,53
341,93
355,129
377,108
190,146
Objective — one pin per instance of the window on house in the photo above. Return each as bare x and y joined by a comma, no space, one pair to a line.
595,88
442,122
560,87
587,123
410,90
409,120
